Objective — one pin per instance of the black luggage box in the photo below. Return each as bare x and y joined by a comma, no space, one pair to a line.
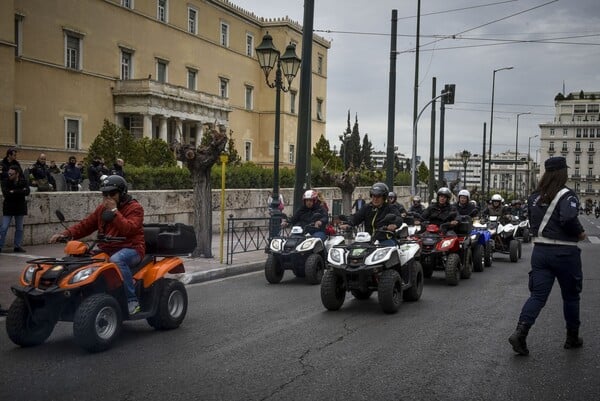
169,238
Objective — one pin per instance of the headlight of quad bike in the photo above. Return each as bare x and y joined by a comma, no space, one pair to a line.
379,256
336,256
446,243
473,237
28,275
83,274
276,244
307,244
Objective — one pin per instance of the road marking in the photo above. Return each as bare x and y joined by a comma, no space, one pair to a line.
594,239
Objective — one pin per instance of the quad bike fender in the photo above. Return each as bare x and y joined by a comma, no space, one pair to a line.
408,252
109,271
447,244
157,269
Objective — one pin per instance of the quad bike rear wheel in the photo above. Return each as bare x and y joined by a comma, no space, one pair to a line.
172,306
313,268
273,270
478,258
452,269
414,293
513,248
22,329
97,322
333,292
526,235
467,266
488,252
389,291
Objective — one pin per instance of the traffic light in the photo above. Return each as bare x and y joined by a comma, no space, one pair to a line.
449,90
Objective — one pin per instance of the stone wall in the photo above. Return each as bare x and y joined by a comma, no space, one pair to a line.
159,206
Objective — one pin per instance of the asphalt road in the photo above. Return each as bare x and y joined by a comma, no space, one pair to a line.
244,339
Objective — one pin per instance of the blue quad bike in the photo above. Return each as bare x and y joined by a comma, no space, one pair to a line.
482,246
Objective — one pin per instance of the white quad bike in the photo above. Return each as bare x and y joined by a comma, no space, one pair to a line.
365,266
505,238
523,231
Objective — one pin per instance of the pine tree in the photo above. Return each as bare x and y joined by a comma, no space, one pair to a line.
367,150
354,145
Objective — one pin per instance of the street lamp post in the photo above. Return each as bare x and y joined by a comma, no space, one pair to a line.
529,162
517,153
492,126
287,64
465,156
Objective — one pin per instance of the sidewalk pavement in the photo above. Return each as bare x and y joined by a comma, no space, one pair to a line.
197,270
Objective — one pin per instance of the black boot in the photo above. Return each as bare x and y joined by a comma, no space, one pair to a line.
517,339
573,339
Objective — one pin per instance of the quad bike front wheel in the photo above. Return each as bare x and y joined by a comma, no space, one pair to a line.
313,268
478,258
172,306
526,235
273,270
333,292
513,250
97,322
389,291
452,269
414,292
21,327
467,266
488,252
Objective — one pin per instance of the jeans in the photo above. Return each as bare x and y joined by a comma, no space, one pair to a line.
320,234
124,259
547,263
18,230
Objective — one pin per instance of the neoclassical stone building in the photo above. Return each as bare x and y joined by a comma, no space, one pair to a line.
160,68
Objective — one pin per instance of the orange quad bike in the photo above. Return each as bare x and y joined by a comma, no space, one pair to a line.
85,288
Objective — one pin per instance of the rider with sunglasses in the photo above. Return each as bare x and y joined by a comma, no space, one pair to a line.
119,215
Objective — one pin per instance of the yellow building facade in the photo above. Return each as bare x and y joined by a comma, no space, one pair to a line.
160,68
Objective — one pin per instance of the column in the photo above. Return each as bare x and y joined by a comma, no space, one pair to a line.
147,126
179,130
199,133
162,130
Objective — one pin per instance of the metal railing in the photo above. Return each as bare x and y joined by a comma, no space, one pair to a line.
250,233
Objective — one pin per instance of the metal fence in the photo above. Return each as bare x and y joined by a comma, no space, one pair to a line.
250,233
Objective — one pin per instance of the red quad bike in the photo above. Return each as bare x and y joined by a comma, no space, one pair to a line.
85,288
447,249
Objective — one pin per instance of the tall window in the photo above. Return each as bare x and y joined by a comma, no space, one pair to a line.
320,109
564,147
192,20
590,159
72,135
134,123
292,153
551,148
192,78
565,132
249,96
293,102
161,71
223,87
72,51
578,133
224,34
17,127
591,147
551,131
320,64
249,45
18,35
126,67
590,172
248,151
127,3
161,11
577,159
577,147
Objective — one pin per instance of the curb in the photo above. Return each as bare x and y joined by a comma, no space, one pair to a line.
222,272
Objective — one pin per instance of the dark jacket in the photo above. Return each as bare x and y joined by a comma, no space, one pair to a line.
373,217
15,203
305,216
6,165
418,209
564,222
467,209
398,208
500,211
41,171
117,170
128,223
72,174
438,214
94,172
358,204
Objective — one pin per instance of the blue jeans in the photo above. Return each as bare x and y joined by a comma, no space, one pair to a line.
320,234
18,230
547,263
124,259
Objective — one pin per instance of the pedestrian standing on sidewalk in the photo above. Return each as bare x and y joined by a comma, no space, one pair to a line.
553,215
14,189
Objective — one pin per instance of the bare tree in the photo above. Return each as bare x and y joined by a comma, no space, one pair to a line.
199,161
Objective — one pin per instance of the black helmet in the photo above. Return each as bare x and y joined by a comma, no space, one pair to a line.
444,191
392,195
113,182
379,189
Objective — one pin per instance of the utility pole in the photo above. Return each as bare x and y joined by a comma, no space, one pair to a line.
416,97
389,176
431,183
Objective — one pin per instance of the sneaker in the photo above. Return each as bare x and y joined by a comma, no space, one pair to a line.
134,307
18,249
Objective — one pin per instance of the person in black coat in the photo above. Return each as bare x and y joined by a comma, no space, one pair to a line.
95,171
375,214
416,207
399,207
8,161
14,189
42,178
441,211
311,212
464,207
72,174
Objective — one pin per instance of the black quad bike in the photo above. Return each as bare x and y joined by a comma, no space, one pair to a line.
85,288
366,266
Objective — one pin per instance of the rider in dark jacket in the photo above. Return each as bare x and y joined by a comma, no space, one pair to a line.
441,211
311,212
374,213
497,209
464,207
416,207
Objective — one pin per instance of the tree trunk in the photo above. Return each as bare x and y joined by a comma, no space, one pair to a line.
202,213
347,202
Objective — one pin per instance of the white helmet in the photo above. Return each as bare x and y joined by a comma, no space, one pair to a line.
310,194
497,197
464,192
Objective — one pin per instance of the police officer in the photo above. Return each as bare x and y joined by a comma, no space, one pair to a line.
553,213
374,213
311,212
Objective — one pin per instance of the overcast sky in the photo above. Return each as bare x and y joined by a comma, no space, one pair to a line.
359,64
